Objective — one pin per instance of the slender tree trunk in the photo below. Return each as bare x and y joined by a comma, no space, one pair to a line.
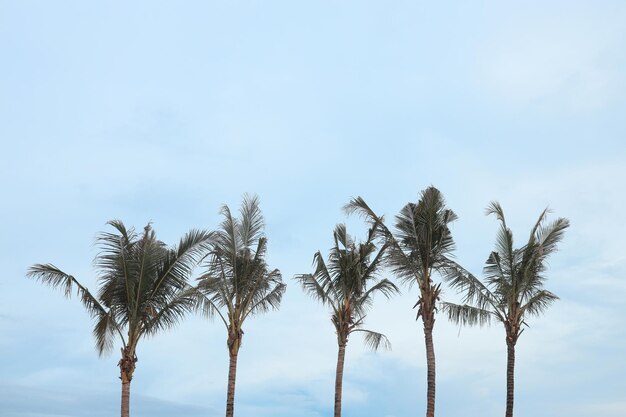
510,379
125,398
339,378
430,363
127,368
232,376
235,337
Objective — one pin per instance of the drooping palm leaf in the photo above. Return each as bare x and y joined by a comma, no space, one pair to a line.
51,275
374,340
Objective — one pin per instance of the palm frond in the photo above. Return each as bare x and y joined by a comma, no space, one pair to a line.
252,222
473,290
496,209
364,302
384,286
538,303
216,288
377,263
374,340
533,232
104,332
207,306
178,263
312,287
169,314
549,236
116,266
227,242
51,275
269,301
467,314
359,207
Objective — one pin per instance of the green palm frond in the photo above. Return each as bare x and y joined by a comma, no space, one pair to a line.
474,291
384,286
104,332
217,289
227,242
549,236
538,303
402,265
312,287
178,263
359,206
467,314
533,232
208,307
374,340
496,209
167,315
51,275
252,222
268,301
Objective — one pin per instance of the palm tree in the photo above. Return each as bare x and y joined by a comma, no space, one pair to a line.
237,282
513,288
141,289
343,285
420,246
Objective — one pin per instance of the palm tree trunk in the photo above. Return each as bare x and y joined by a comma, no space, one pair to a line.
430,363
232,376
127,368
339,378
125,397
510,379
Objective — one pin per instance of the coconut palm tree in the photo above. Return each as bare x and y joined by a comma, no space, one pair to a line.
514,285
237,282
343,286
420,246
141,283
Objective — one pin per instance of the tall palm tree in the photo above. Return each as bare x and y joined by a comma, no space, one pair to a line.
420,246
238,282
343,286
513,288
141,289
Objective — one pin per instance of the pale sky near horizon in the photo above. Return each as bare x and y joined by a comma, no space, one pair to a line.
163,111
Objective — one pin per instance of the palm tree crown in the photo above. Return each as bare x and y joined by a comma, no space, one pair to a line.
514,278
237,282
141,287
343,283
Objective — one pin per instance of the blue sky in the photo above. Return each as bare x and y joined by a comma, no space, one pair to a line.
162,111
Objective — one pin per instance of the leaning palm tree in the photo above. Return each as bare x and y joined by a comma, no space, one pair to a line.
343,286
420,246
513,288
238,282
142,283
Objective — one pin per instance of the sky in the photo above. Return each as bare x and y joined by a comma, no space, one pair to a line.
154,111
